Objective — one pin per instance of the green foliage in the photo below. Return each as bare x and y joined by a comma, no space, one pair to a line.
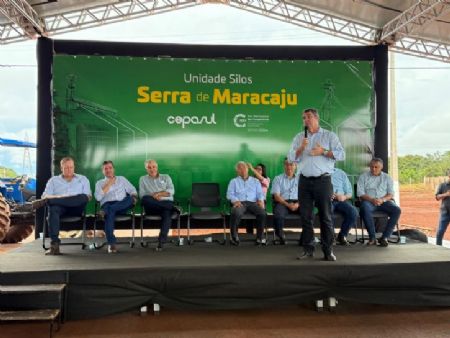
7,173
413,168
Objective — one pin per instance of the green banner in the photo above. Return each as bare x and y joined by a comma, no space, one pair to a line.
198,117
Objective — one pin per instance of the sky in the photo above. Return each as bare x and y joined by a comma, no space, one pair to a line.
421,86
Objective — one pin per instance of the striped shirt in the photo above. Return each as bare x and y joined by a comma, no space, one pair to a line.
117,192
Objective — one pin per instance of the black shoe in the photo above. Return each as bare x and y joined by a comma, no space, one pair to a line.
283,241
305,255
36,204
159,247
234,241
383,242
342,240
329,257
54,250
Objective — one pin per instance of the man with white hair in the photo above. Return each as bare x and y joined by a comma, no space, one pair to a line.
156,192
245,194
65,195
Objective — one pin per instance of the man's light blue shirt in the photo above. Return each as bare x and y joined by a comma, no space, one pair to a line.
117,192
341,183
244,190
57,185
375,186
286,187
149,185
313,166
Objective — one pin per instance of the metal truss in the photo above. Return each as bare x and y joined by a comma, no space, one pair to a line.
396,33
423,48
95,16
413,18
312,19
309,18
25,21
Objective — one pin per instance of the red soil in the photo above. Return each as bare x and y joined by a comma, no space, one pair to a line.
420,209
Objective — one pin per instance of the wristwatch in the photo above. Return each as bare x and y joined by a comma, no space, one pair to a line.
325,152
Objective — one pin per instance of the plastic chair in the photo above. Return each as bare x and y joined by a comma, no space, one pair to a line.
206,198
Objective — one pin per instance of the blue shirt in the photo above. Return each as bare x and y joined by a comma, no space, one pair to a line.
286,187
149,185
313,166
57,185
375,186
341,183
244,190
117,192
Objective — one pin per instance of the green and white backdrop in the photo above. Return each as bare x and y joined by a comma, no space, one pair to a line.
198,117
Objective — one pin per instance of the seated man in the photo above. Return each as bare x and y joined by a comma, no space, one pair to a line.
245,194
65,195
116,195
342,193
285,197
376,192
156,192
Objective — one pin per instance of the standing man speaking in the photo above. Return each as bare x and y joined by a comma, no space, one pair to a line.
316,150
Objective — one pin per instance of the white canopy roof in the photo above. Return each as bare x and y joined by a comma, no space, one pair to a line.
410,26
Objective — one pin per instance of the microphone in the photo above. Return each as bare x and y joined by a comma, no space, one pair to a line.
306,132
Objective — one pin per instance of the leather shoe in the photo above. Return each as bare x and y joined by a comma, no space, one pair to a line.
383,242
36,204
234,241
305,255
371,242
112,248
342,240
283,241
329,257
54,250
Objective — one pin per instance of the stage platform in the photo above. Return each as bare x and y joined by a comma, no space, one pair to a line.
214,276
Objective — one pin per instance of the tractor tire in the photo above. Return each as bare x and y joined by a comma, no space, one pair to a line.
18,232
5,221
21,226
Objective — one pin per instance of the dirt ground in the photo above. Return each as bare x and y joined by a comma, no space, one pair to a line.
420,210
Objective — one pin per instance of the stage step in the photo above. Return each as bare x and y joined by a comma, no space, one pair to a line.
44,314
32,288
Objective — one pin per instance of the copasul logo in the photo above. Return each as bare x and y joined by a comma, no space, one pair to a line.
240,120
187,120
